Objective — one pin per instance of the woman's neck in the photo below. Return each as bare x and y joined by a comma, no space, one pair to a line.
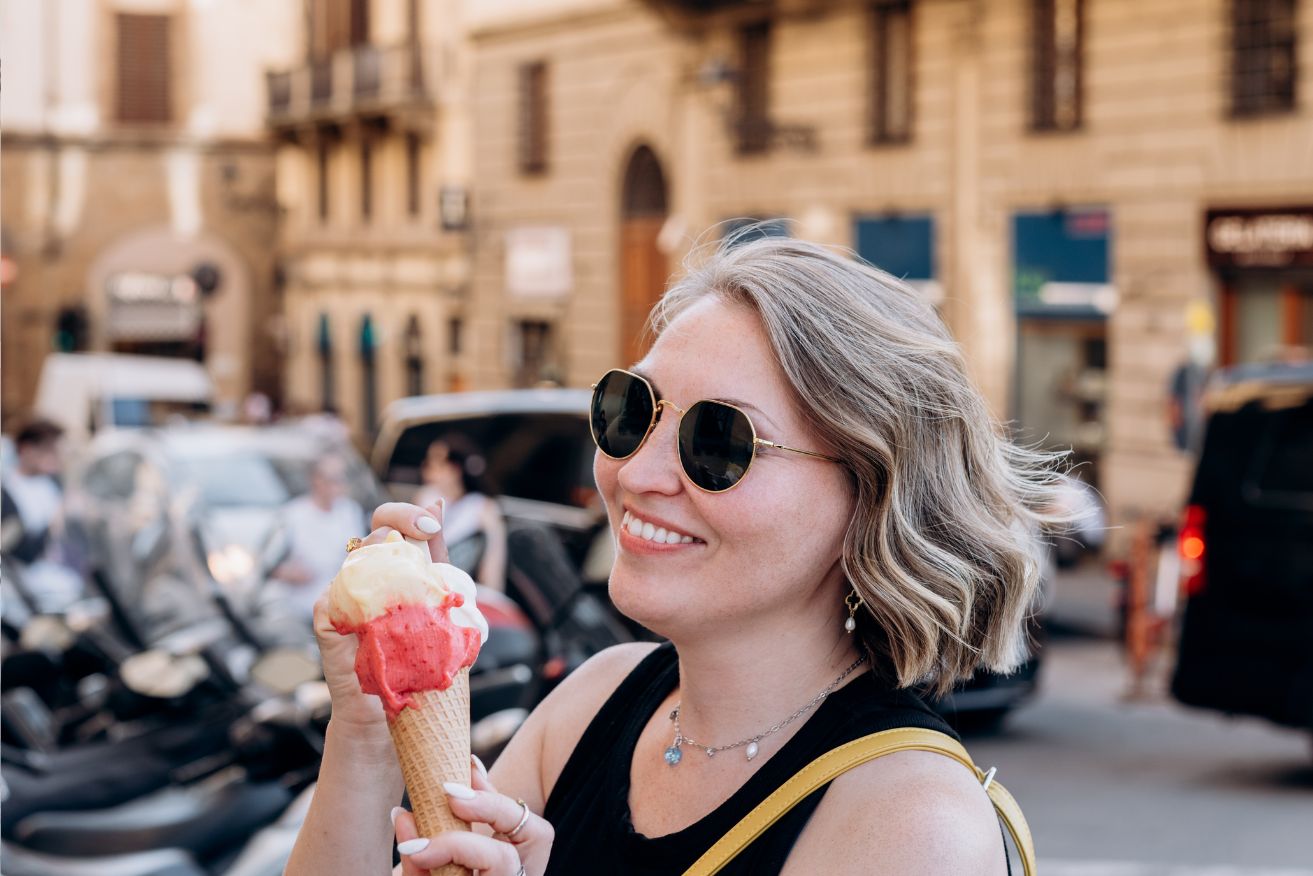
739,683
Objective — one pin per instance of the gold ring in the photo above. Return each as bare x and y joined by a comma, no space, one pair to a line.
354,542
524,817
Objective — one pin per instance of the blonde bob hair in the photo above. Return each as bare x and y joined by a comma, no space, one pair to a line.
942,546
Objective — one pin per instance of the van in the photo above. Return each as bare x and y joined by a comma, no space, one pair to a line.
89,392
1246,550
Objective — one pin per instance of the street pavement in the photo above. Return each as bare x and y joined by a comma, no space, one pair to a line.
1118,787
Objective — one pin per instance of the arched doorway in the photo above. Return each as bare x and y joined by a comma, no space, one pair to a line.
643,266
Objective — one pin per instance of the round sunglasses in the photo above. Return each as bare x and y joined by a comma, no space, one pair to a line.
717,441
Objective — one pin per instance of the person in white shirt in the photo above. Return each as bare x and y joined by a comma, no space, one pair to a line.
318,526
454,471
31,509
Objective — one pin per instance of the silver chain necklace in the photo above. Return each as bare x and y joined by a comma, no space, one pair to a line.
673,755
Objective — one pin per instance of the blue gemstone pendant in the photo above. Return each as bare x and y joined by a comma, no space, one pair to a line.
674,755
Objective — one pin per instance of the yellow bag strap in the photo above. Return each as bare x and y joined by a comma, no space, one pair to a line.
833,764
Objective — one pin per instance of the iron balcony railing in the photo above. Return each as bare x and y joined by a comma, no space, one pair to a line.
364,79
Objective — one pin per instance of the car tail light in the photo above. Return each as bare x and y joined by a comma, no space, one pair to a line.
1190,545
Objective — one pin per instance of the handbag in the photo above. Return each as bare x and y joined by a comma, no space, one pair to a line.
834,763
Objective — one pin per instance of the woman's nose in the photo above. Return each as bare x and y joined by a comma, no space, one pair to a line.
655,467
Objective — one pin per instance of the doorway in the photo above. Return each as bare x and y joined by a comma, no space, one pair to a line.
643,266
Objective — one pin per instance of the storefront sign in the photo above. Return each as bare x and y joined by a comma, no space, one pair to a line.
538,262
156,307
903,246
1259,238
1061,262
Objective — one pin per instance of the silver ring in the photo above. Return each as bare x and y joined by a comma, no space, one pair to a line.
520,872
524,817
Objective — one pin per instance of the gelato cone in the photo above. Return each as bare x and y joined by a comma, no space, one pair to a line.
419,632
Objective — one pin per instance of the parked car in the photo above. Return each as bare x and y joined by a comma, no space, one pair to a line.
1246,550
165,514
539,452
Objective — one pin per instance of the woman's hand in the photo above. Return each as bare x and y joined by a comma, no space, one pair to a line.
520,843
352,707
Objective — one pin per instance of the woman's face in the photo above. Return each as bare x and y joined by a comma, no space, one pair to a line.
764,549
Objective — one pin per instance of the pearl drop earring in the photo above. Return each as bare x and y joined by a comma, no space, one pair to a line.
854,602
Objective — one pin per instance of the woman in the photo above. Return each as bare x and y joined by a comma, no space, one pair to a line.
473,528
880,492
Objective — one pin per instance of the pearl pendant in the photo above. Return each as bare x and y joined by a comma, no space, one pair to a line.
674,755
850,624
751,751
711,752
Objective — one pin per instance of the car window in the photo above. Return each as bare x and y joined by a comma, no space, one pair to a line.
113,477
233,480
1282,473
548,457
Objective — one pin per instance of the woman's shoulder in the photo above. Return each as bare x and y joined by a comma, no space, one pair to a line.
926,813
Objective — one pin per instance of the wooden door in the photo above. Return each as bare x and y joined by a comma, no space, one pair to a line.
644,272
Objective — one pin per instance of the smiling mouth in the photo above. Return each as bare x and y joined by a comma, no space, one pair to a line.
639,528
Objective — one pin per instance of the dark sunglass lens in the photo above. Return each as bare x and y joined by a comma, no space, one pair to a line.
621,413
715,445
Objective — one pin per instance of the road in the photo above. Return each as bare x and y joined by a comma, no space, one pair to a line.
1148,788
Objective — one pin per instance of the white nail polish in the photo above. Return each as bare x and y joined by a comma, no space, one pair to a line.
478,763
410,847
427,525
459,791
396,810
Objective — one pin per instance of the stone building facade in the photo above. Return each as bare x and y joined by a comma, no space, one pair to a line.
1090,190
138,210
370,118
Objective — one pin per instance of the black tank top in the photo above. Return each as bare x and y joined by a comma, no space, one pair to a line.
589,806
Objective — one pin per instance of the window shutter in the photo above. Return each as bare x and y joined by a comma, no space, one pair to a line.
144,69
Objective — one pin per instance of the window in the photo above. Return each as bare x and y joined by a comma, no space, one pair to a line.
533,118
891,71
455,336
325,346
368,375
414,346
1262,315
1055,74
323,168
753,110
143,69
336,25
413,183
1263,65
366,179
534,359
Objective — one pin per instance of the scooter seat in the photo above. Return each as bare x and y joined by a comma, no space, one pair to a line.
203,819
15,861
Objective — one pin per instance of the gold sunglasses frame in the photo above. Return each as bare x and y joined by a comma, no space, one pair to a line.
658,403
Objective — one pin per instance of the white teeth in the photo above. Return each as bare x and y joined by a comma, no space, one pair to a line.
652,532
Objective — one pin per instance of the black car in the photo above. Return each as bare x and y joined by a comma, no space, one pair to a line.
539,454
1246,546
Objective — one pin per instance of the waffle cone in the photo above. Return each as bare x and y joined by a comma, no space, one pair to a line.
432,738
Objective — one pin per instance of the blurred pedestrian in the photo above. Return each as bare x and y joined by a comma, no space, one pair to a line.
473,526
32,514
318,526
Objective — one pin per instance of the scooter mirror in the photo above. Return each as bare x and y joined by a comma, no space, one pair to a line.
282,670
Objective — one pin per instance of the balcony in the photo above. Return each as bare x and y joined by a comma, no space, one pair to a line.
365,80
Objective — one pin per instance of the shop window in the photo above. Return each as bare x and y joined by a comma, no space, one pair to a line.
1055,64
143,64
1263,68
891,72
1265,317
322,170
533,118
413,183
534,352
753,96
414,346
366,179
325,349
